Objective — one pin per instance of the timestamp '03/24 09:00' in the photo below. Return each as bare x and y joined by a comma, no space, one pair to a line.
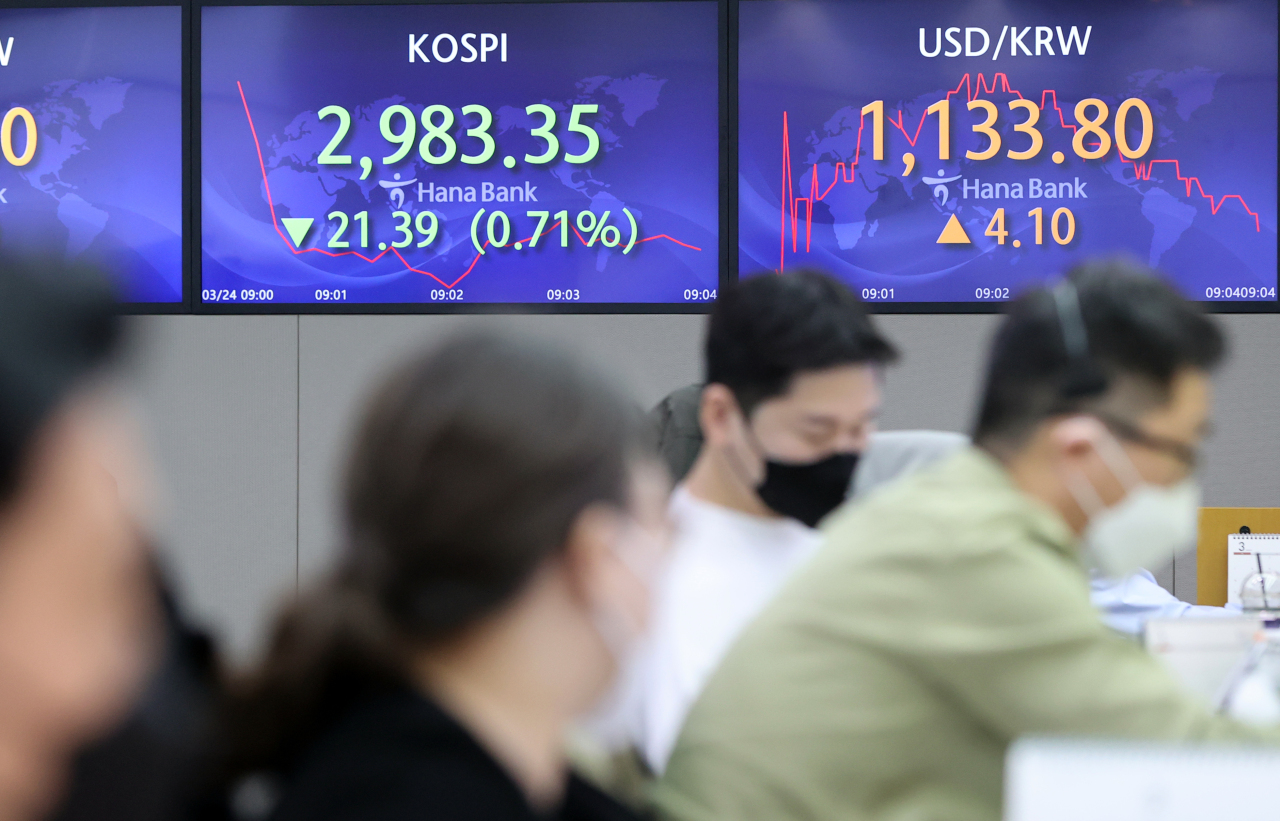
234,295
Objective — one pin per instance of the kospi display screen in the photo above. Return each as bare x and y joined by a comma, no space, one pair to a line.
540,153
91,142
929,151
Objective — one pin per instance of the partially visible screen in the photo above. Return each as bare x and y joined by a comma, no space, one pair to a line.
494,153
102,181
1186,185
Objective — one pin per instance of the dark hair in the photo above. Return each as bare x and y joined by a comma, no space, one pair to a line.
767,328
467,473
58,324
1132,328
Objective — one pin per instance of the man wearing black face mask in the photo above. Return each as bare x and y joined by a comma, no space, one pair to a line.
792,393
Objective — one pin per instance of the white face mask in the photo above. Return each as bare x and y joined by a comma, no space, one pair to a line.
611,722
644,557
1145,529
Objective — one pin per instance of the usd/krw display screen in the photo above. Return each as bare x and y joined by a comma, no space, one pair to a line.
91,142
930,151
445,154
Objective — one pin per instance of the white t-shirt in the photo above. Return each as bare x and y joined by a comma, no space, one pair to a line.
725,567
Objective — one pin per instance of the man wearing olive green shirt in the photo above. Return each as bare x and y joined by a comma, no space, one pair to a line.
950,613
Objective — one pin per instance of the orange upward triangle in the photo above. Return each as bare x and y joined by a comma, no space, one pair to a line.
954,233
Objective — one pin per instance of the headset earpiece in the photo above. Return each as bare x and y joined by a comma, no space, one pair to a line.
1083,377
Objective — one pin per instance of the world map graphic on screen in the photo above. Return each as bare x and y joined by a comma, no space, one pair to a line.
101,182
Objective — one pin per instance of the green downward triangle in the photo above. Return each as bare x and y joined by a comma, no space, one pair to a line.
297,228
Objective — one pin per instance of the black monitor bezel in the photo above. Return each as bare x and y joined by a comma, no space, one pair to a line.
728,127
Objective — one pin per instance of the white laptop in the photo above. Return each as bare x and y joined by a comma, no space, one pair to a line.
1092,780
1203,654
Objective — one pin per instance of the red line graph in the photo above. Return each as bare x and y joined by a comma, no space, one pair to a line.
847,172
395,251
1142,171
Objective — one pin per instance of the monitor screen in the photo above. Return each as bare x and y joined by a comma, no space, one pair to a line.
442,155
930,152
91,142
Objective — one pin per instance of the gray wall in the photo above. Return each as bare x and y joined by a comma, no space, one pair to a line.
249,419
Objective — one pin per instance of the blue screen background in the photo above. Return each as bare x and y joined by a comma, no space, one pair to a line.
1207,71
105,185
651,68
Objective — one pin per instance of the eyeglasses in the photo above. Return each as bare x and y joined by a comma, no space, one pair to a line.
1184,453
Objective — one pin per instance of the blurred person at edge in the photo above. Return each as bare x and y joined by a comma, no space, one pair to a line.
503,521
79,618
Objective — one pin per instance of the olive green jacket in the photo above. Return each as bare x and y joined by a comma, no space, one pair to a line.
943,618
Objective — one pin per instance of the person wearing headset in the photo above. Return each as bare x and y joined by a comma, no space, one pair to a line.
950,614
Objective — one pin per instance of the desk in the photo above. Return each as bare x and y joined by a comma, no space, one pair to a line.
1216,523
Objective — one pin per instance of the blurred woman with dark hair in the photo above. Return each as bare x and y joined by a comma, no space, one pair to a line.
503,521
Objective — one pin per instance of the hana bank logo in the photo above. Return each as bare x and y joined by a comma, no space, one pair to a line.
939,184
396,190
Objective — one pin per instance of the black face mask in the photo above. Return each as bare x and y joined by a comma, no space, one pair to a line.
807,491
